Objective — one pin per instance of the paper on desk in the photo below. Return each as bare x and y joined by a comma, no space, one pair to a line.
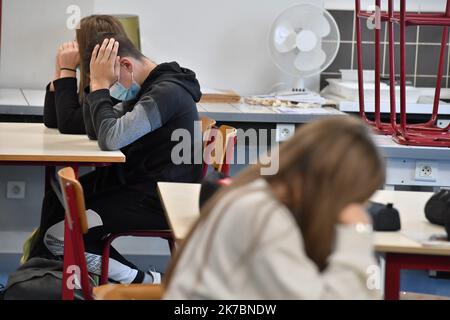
300,97
302,110
432,240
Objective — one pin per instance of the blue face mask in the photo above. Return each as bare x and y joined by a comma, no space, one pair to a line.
119,92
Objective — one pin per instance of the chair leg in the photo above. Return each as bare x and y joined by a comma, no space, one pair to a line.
171,245
107,248
105,260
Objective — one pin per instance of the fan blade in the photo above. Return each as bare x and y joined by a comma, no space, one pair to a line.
315,21
318,24
284,37
311,60
306,40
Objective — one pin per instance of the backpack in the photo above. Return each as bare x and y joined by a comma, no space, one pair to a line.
384,217
37,279
438,207
211,183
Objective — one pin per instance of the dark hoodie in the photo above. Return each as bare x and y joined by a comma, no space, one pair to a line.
142,128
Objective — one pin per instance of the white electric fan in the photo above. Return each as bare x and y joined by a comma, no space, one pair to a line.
304,41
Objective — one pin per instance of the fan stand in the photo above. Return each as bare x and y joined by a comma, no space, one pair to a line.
299,85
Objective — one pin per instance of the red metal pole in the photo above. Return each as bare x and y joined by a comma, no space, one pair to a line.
359,61
392,66
402,68
392,278
377,66
437,92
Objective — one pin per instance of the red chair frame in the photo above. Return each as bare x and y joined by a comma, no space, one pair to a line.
76,230
426,133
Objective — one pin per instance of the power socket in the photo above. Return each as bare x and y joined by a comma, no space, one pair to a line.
284,132
15,190
426,171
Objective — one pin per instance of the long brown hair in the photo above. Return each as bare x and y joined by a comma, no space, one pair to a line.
327,165
90,28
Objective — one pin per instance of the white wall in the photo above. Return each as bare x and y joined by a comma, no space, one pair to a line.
31,32
224,41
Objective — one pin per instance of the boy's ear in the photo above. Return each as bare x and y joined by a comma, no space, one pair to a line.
126,63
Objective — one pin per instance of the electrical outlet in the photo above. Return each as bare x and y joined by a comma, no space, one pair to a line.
426,170
15,190
284,131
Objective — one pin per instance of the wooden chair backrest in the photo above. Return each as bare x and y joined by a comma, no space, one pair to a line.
128,292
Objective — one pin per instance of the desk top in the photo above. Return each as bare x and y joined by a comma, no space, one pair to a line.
180,201
242,112
22,142
31,102
392,149
415,227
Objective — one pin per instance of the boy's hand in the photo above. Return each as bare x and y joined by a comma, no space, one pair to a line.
69,55
104,65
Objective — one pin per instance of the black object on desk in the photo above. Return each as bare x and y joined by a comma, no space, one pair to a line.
437,210
384,216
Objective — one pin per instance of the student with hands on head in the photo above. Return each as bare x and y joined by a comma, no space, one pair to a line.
64,99
134,105
105,65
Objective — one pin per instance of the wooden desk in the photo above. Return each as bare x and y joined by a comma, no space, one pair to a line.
31,102
34,144
180,202
402,249
414,224
400,159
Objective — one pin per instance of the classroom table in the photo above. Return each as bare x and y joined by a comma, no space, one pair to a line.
405,249
402,249
400,160
180,203
32,144
31,102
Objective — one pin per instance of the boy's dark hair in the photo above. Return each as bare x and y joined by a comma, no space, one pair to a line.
126,47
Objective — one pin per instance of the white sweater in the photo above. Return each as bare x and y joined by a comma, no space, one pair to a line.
257,252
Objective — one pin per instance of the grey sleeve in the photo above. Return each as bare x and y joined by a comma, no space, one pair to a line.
89,122
116,129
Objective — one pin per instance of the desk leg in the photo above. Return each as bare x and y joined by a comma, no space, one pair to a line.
392,278
49,175
398,261
69,258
